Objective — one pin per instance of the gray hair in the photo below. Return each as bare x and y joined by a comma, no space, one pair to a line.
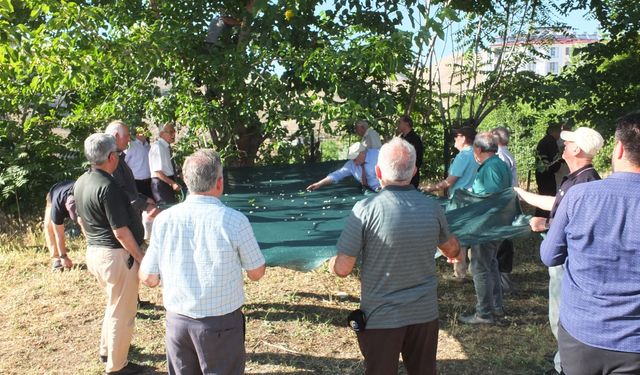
362,124
502,134
116,127
396,160
201,170
98,146
486,142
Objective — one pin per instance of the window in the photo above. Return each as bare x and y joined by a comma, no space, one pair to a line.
553,67
567,51
531,67
553,52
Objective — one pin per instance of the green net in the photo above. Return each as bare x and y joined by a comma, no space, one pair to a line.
299,229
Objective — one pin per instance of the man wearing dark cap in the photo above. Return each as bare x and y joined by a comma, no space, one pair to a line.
61,204
405,127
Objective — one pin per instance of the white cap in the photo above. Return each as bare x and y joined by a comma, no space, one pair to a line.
355,150
589,140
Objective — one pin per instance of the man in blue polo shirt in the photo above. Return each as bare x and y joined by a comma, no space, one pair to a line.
596,235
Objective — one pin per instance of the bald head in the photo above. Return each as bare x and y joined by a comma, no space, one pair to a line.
396,162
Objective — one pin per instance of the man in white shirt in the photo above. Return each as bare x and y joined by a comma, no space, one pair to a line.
163,183
361,165
137,157
370,137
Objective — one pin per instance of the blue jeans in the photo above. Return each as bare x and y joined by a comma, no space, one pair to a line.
486,278
555,283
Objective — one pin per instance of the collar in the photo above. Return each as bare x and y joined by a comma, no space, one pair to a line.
633,176
578,172
399,187
163,142
198,198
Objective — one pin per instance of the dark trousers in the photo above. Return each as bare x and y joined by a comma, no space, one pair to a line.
211,345
505,256
418,344
144,187
162,192
582,359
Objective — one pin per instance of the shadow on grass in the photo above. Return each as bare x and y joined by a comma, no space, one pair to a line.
295,312
137,356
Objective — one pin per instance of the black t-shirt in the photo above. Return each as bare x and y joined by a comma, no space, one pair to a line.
58,195
104,206
584,174
415,140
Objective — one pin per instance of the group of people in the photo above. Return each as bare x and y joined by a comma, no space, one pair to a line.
199,248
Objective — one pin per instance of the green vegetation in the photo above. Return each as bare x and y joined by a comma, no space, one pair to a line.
296,322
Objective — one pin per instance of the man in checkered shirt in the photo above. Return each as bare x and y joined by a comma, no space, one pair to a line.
198,249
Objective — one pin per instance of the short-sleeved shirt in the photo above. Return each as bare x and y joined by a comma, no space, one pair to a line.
493,176
199,248
464,166
395,233
103,207
160,158
59,194
584,174
371,139
351,169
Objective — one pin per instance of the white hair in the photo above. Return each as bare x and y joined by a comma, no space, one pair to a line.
201,170
98,146
503,135
116,127
396,160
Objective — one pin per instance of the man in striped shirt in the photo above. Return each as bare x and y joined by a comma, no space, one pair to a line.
396,233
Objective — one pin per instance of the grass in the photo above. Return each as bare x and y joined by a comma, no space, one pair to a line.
50,322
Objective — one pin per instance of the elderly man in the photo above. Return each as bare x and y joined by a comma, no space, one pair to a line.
361,166
114,235
493,176
405,127
163,174
60,204
396,233
579,150
123,174
370,137
198,249
462,172
595,233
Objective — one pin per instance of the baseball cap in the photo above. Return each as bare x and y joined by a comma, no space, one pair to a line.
589,140
355,150
70,205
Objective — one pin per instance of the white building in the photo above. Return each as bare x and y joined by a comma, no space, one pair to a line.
553,50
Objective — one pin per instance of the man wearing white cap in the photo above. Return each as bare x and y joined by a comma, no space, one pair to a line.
361,165
580,147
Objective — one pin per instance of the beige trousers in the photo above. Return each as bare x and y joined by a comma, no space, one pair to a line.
120,284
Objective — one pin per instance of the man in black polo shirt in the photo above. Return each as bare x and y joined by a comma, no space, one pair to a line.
114,234
405,127
579,149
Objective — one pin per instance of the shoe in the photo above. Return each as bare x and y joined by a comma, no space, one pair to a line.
56,265
499,313
130,369
475,319
103,358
